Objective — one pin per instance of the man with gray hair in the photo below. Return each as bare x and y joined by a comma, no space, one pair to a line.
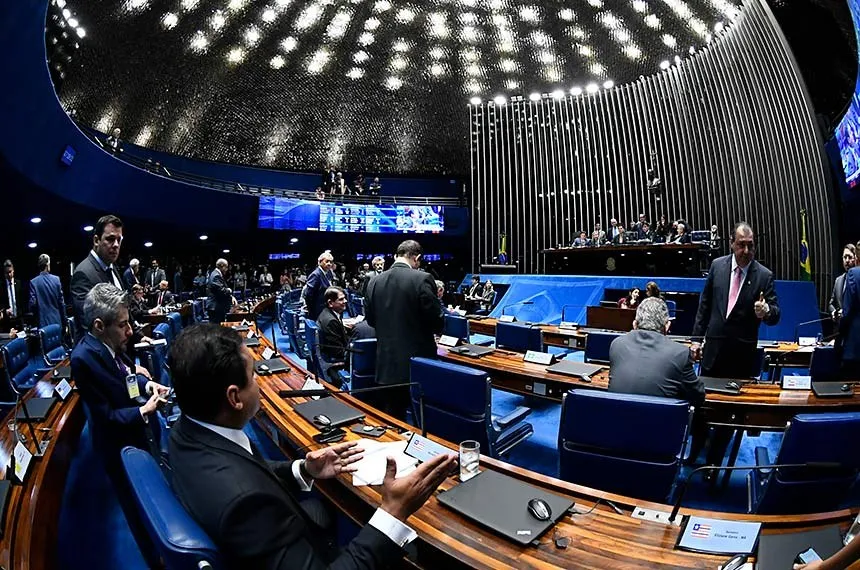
220,295
131,275
120,397
378,264
320,279
645,362
46,296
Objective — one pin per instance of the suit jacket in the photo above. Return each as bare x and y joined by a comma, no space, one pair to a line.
849,325
648,363
167,298
130,279
153,278
686,238
730,343
220,296
114,417
838,293
333,334
6,303
87,275
314,292
246,505
403,308
46,300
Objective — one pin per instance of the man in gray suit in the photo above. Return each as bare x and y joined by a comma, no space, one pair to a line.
645,362
849,257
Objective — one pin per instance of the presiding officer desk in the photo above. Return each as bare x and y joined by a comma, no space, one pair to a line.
601,539
32,513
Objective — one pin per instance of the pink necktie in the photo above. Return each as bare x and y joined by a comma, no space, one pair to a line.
734,290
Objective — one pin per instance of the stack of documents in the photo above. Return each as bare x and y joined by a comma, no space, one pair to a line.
371,467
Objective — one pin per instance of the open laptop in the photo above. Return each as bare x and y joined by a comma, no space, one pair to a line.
720,385
500,503
472,350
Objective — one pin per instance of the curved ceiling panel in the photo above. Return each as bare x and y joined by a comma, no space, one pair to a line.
374,85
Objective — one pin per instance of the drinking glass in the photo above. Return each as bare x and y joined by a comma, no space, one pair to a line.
470,457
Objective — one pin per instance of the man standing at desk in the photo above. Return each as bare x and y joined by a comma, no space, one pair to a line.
403,308
46,296
738,295
319,280
849,325
220,296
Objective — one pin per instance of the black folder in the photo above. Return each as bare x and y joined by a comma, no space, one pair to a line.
719,385
339,413
473,350
500,503
62,373
5,487
275,365
37,409
832,390
576,369
253,341
778,551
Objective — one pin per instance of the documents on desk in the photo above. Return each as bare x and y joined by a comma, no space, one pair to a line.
370,469
352,321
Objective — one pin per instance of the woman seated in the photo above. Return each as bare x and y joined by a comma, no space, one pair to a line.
631,301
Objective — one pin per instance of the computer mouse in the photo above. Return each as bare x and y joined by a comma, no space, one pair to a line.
733,385
322,420
735,562
263,367
539,509
845,387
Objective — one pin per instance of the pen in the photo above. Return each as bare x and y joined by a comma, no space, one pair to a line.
614,507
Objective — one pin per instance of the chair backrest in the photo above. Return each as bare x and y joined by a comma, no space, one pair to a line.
180,541
456,326
825,438
622,443
198,311
163,330
312,357
672,306
363,363
70,321
456,401
824,364
51,341
175,320
17,366
597,346
514,336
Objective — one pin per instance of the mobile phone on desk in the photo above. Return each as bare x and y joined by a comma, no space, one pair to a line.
807,556
367,431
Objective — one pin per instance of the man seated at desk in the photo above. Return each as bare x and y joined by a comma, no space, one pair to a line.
250,506
334,337
645,362
580,241
644,233
163,297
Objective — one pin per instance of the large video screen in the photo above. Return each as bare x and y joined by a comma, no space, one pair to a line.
292,214
848,131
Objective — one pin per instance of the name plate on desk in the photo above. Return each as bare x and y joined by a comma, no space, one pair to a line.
806,341
506,319
63,389
796,382
22,461
536,357
715,536
250,333
448,340
268,353
568,325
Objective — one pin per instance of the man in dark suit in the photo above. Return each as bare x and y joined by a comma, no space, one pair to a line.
319,280
220,295
849,258
154,276
645,362
11,302
131,275
46,296
403,307
378,265
163,297
333,334
248,505
739,294
97,267
120,397
682,236
849,326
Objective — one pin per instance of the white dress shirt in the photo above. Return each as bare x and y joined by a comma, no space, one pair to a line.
109,268
382,521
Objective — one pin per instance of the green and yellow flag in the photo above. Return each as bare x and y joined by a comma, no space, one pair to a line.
805,264
503,243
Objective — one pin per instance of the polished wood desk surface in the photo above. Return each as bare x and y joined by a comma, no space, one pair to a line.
250,309
32,516
184,310
601,539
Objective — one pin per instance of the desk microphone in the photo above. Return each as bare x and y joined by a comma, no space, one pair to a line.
812,322
506,307
563,307
686,483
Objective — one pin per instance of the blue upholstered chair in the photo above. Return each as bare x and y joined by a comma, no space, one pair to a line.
295,333
178,539
825,364
458,406
175,321
51,343
515,336
823,438
622,443
325,369
456,326
362,364
20,370
672,307
198,311
154,358
597,346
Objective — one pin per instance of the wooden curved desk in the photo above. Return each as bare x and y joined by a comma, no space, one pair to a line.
244,311
32,517
601,539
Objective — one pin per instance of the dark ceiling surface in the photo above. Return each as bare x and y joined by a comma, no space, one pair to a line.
367,85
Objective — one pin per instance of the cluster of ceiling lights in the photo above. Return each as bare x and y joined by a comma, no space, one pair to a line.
464,35
71,18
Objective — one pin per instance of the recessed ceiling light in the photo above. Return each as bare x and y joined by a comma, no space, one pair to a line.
534,97
32,245
147,244
294,240
204,237
225,251
576,91
475,100
499,100
88,228
558,94
35,220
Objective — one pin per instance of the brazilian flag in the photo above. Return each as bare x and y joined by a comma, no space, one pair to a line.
805,264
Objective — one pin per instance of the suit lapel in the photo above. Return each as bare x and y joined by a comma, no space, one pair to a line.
724,277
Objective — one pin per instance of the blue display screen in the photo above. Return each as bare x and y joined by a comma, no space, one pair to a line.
848,131
292,214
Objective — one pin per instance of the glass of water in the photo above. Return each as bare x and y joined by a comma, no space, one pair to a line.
853,531
470,457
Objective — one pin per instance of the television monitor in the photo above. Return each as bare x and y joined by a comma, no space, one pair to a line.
848,130
293,214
